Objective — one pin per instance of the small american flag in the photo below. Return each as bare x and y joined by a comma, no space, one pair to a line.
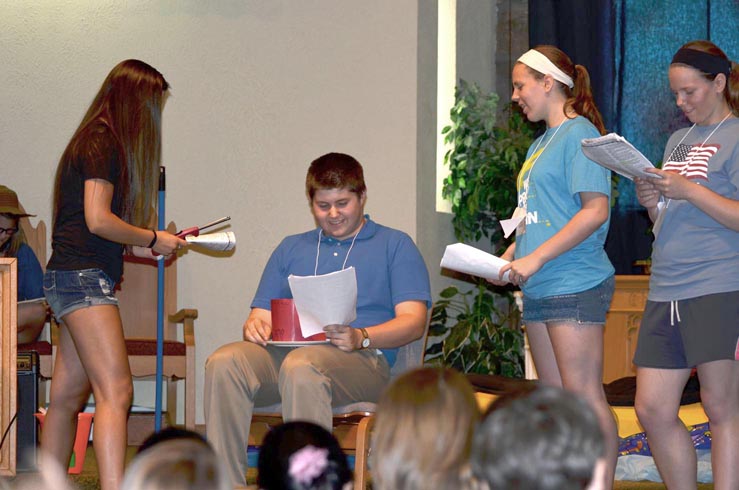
691,160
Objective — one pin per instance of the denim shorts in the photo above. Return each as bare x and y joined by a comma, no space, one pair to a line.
585,307
67,291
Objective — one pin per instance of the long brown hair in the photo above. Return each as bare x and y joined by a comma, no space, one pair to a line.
129,104
731,90
423,432
580,97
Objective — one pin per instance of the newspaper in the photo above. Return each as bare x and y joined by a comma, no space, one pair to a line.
614,152
470,260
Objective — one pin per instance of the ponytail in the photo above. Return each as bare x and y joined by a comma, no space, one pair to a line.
732,89
582,100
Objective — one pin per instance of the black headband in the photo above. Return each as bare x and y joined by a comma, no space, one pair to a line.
705,62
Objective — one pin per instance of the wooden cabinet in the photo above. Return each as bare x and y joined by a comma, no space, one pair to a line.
8,348
622,326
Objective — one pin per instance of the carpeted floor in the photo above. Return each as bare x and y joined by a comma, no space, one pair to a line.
88,479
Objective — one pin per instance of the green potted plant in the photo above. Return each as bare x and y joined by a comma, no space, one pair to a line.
480,326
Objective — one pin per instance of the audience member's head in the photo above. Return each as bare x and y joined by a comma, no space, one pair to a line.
423,431
168,434
540,439
302,456
177,463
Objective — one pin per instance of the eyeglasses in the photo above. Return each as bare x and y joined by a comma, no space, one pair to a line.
8,231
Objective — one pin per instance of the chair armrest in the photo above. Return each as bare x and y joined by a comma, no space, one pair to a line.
186,317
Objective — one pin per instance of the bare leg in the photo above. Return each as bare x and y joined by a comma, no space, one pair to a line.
579,353
720,398
101,349
543,354
658,393
70,390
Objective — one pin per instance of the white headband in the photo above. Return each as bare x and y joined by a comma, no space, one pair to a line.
534,59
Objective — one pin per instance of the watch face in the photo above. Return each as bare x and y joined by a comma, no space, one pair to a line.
365,343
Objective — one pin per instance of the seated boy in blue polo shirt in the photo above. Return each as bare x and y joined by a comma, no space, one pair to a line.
393,297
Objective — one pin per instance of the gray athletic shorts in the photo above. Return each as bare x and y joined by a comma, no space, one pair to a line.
707,330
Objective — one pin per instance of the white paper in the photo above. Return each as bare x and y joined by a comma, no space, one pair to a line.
470,260
221,242
329,299
614,152
510,224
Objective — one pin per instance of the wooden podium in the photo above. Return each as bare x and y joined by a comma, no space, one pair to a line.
8,351
622,326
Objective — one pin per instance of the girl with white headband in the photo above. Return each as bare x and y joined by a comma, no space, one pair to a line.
561,224
691,319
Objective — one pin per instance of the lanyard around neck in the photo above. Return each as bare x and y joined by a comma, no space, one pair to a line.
318,248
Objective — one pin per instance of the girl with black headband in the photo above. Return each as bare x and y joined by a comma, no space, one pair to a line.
692,315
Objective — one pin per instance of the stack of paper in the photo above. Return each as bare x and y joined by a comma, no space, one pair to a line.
614,152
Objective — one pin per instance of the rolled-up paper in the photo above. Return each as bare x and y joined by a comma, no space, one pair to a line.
214,241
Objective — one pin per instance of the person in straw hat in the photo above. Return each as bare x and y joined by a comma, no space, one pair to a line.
31,316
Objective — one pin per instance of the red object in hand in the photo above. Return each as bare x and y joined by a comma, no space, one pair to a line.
192,231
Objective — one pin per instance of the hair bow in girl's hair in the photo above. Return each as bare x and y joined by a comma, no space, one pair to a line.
307,463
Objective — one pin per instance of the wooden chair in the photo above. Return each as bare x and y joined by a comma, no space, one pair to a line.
352,423
44,346
137,299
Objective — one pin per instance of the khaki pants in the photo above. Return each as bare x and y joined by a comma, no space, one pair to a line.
308,381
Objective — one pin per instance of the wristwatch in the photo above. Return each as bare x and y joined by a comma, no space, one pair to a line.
365,338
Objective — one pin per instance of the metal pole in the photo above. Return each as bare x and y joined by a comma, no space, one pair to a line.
160,306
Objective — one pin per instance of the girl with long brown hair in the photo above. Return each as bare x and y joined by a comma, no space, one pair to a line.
561,224
104,199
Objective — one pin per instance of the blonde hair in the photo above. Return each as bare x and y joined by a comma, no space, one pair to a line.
177,464
423,431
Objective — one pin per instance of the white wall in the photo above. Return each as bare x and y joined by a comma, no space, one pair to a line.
259,89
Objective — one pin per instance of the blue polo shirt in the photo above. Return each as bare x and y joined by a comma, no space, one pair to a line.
389,268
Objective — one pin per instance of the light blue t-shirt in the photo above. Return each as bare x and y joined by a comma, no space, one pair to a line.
556,174
389,268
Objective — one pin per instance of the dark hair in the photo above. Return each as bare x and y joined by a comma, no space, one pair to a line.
169,434
284,441
544,439
731,90
335,171
580,97
129,106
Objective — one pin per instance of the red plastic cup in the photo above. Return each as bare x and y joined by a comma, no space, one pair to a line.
286,324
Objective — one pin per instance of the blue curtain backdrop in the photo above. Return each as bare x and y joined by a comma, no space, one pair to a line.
627,46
